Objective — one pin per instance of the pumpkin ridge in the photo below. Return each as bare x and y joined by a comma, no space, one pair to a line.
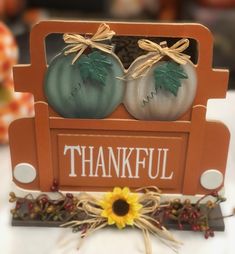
160,105
78,98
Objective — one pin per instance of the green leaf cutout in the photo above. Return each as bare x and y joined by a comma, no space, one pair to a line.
94,66
168,76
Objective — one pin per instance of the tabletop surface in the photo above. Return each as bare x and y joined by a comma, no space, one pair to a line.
33,240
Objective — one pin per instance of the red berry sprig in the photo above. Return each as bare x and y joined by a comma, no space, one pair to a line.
55,186
209,233
193,215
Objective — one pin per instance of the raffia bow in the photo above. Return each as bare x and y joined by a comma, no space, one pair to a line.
150,201
78,43
174,52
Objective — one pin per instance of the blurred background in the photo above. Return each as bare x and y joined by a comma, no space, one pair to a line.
17,17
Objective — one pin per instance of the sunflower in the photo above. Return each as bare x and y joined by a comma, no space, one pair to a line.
120,207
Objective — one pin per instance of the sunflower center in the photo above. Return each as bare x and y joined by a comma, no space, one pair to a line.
120,207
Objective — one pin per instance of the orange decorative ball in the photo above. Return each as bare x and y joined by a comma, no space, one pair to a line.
12,105
8,53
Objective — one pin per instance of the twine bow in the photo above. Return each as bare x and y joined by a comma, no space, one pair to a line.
161,50
150,201
78,43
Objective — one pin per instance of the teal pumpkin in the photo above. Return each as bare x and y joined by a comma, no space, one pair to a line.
89,88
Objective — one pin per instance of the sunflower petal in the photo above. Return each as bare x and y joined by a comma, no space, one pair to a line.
126,192
120,224
110,220
104,214
129,221
117,191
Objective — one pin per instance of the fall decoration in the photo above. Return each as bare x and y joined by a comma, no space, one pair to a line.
87,88
12,105
162,84
88,213
120,207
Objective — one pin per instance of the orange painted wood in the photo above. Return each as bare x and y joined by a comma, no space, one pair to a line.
215,150
212,83
120,124
23,146
21,81
195,150
43,146
89,174
204,144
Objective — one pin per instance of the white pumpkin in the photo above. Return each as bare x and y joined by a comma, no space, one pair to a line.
143,102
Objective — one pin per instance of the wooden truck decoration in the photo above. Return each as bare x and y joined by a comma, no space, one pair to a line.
98,125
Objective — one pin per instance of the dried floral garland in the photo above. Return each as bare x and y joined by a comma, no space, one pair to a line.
87,213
